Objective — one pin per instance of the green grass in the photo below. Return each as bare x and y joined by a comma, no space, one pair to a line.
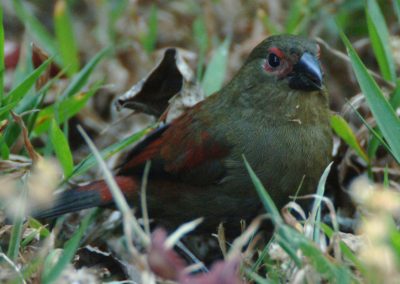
214,75
54,267
149,39
383,112
1,58
61,148
65,37
344,131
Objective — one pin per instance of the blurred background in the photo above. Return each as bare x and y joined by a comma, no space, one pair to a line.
137,29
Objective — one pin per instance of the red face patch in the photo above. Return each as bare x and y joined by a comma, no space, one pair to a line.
277,52
277,63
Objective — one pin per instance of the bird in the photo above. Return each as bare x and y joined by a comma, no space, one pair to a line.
274,112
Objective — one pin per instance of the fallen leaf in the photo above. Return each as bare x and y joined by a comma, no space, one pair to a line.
166,91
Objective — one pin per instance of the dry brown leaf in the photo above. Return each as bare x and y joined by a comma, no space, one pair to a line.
166,91
28,145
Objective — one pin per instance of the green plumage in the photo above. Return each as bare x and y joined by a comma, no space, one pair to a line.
274,112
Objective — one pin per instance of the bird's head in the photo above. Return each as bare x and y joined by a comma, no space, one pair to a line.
286,61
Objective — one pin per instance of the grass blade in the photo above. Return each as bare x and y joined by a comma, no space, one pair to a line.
15,239
295,16
344,131
63,110
269,25
266,199
130,222
334,273
379,36
316,209
395,103
2,68
201,38
396,6
395,98
115,11
35,28
106,153
65,37
80,79
384,114
376,133
6,108
16,233
215,73
4,149
150,39
51,274
353,258
16,94
290,249
61,148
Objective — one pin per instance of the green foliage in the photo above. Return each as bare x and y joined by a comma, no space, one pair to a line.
18,93
395,98
268,24
115,10
316,209
35,27
22,99
5,150
343,130
396,6
149,40
80,79
37,230
16,233
63,110
61,148
201,38
5,109
15,239
53,271
383,112
295,16
107,152
374,132
292,241
65,37
379,36
264,196
14,100
1,56
216,69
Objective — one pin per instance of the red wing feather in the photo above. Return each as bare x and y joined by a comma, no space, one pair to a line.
183,145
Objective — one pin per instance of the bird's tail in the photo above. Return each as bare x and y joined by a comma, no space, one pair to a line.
94,194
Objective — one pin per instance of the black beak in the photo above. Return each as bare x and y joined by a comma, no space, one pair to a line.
306,74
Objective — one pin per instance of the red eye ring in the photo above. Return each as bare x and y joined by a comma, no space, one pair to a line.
274,59
277,52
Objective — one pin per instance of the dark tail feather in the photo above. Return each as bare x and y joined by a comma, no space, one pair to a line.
93,195
70,201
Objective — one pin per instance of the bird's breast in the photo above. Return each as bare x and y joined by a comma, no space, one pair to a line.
284,157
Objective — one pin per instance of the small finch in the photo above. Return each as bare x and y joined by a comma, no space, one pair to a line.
274,112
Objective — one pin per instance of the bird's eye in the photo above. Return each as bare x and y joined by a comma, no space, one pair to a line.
273,60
